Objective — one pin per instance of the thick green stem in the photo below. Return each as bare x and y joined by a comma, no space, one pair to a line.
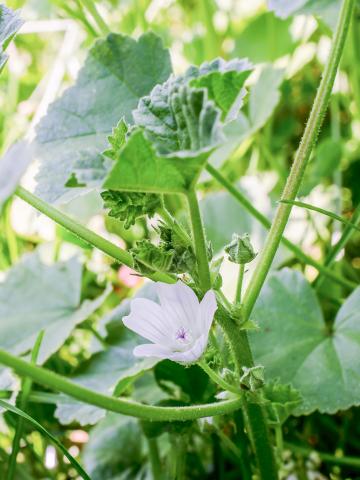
301,159
126,407
199,242
254,414
84,233
267,224
154,458
325,457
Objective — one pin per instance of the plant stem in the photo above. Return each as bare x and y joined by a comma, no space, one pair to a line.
119,405
239,343
10,235
239,283
267,224
180,456
154,458
301,159
217,379
91,7
325,457
25,393
199,242
323,212
335,250
84,233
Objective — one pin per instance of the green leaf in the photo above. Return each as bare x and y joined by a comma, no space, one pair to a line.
36,297
141,169
117,73
115,445
177,118
128,207
275,40
224,82
10,23
284,399
296,345
109,371
328,10
47,434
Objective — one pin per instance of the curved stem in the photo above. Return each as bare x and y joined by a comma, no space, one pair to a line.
126,407
238,195
217,379
301,159
91,7
84,233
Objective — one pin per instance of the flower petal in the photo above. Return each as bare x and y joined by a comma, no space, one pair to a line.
193,354
151,350
179,303
208,307
147,319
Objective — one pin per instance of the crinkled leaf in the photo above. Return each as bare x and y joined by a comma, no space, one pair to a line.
10,22
108,371
284,399
36,297
12,166
129,206
141,169
116,140
224,82
298,347
115,445
328,10
117,73
177,118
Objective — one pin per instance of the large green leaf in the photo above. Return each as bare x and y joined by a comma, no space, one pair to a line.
296,345
141,169
111,370
328,10
10,22
36,297
117,73
115,445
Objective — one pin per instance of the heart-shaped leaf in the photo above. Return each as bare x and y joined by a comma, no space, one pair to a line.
296,345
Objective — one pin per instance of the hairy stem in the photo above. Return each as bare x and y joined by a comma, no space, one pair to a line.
254,414
119,254
267,224
217,379
301,159
119,405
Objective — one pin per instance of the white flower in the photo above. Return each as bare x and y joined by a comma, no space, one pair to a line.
178,327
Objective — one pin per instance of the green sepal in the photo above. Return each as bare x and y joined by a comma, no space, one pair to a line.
252,378
282,401
240,249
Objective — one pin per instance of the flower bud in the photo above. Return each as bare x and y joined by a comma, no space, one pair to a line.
240,249
253,378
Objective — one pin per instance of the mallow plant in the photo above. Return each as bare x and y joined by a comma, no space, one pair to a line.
141,137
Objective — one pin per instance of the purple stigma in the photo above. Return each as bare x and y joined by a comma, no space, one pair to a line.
181,334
